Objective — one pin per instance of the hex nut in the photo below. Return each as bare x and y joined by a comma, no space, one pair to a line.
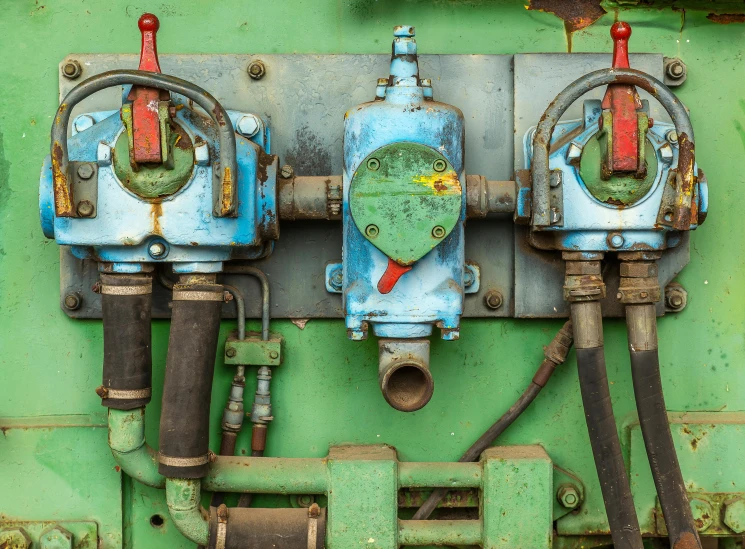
55,537
85,208
230,352
85,171
286,172
676,71
72,69
248,125
734,515
703,514
676,297
14,538
569,496
256,70
493,299
73,301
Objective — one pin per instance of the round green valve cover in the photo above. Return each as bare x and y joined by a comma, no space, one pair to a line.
405,198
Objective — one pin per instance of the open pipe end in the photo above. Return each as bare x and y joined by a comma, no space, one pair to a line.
405,378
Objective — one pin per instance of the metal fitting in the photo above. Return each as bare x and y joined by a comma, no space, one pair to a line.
583,280
72,69
638,283
248,125
734,515
256,69
55,537
286,172
703,514
403,373
569,496
676,71
85,170
73,301
83,122
261,411
14,538
493,299
336,279
157,250
676,297
85,208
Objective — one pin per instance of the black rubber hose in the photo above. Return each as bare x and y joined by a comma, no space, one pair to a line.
606,449
650,403
126,300
555,354
187,389
238,528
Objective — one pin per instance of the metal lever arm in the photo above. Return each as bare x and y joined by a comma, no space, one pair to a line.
225,202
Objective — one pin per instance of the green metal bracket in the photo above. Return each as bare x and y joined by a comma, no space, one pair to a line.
253,351
718,514
49,534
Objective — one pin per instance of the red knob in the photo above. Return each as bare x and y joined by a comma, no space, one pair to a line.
149,25
620,33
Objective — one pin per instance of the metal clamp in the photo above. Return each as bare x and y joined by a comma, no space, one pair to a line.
225,200
314,511
542,139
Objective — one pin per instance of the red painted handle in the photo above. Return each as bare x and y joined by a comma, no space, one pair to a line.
149,26
620,32
391,276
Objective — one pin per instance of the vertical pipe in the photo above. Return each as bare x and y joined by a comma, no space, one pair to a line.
187,389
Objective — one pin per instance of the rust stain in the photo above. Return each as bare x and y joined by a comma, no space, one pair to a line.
576,14
156,210
726,18
686,540
226,200
441,184
62,194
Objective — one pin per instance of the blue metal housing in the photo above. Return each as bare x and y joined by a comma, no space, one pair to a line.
126,225
432,292
582,222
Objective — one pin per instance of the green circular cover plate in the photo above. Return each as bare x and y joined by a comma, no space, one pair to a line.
405,198
618,190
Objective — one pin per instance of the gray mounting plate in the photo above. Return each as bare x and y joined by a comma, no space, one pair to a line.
303,98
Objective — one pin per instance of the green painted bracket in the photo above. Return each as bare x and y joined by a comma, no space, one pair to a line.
50,534
253,351
405,198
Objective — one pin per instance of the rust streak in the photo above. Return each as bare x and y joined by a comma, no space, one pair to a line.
62,194
726,18
156,210
576,14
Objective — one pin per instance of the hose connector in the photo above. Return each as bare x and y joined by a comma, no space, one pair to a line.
403,372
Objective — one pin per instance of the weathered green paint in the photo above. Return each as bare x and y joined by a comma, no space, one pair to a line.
439,532
405,198
518,492
252,351
184,500
618,190
325,393
160,180
363,506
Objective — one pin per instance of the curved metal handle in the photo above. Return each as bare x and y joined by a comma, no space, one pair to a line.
226,197
542,138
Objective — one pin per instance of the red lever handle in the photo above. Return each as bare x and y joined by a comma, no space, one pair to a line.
620,32
393,272
149,26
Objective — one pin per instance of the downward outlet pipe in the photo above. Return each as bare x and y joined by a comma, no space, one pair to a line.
583,289
640,290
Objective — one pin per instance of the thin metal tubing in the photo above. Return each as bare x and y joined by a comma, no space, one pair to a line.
570,94
240,305
60,168
265,302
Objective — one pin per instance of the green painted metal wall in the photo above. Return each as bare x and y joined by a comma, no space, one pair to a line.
54,463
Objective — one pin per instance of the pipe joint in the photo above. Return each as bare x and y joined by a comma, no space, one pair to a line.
403,372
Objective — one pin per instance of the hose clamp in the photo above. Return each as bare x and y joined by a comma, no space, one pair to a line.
141,289
222,527
119,394
199,295
183,461
314,511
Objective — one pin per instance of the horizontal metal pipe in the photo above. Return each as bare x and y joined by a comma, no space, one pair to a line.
439,532
439,475
268,475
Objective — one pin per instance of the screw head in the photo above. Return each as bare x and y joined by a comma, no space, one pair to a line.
703,514
256,70
734,515
274,355
83,122
248,125
493,299
468,278
672,136
438,231
157,250
615,240
337,279
72,70
676,69
85,171
439,165
372,231
373,164
568,496
286,172
230,352
85,208
73,301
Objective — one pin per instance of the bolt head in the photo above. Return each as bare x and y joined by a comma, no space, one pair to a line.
256,70
672,136
373,164
568,495
703,515
15,538
372,231
55,538
468,278
85,208
157,250
439,231
230,352
85,171
72,301
734,515
286,172
337,279
248,125
72,70
675,69
274,355
440,165
493,299
616,240
83,122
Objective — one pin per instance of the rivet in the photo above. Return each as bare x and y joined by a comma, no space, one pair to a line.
440,165
372,231
373,164
439,231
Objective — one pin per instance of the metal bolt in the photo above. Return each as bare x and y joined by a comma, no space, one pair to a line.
615,240
568,496
85,208
336,280
157,249
55,538
734,515
286,172
676,297
274,355
672,136
85,171
372,231
703,514
256,70
438,231
493,299
676,69
14,538
83,122
555,216
248,125
73,301
230,352
468,278
72,69
305,500
373,164
440,165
